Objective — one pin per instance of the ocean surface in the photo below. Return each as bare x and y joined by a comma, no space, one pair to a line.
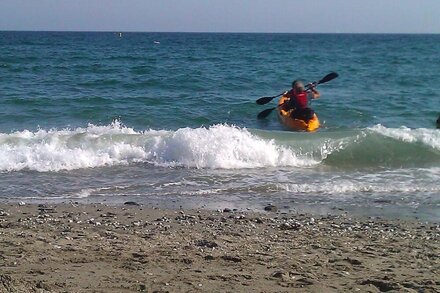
169,119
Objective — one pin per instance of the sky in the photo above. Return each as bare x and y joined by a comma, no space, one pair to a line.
284,16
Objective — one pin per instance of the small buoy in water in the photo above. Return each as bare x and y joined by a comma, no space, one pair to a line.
120,35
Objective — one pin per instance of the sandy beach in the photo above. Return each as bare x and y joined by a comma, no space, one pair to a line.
132,248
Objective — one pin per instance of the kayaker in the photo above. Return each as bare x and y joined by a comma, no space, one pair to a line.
298,100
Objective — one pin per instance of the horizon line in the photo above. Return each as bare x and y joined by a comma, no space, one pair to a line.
220,32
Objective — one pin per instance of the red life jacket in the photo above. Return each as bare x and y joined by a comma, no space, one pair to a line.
299,101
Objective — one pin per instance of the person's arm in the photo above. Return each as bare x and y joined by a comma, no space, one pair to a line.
315,93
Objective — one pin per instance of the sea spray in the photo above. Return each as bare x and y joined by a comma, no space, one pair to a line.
223,146
219,146
66,149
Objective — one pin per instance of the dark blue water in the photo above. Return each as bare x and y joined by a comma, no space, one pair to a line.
167,117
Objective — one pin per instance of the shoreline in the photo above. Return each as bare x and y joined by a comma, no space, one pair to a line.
131,248
378,209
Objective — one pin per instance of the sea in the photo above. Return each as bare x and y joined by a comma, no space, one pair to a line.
170,120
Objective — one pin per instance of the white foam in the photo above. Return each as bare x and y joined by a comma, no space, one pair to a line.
344,186
56,150
219,146
87,192
84,193
428,137
222,146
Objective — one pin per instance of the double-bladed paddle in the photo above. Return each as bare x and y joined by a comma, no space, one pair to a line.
264,100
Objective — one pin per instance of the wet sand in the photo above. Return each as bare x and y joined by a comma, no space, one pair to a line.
131,248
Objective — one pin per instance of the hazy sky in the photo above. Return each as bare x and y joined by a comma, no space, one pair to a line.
326,16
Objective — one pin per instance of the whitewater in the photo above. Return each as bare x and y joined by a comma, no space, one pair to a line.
217,147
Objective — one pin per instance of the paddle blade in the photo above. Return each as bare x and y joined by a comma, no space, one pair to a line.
328,77
263,114
264,100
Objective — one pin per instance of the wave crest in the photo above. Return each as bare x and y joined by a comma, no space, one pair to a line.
219,146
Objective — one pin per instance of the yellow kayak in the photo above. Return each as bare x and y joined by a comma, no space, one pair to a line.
295,124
